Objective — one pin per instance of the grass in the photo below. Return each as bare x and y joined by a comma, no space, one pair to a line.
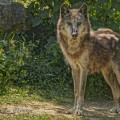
22,97
19,96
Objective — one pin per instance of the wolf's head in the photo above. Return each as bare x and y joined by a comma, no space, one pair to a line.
74,23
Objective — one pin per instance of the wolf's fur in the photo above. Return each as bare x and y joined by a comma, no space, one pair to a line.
88,51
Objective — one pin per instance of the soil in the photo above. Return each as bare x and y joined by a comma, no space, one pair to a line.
93,110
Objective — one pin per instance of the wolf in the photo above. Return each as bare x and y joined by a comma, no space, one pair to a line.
88,51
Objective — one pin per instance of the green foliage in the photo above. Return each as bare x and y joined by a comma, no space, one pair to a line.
34,57
97,88
12,56
46,74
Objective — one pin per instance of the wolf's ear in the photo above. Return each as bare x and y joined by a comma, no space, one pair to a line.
64,10
84,10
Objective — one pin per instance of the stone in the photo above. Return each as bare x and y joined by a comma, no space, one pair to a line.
12,15
5,1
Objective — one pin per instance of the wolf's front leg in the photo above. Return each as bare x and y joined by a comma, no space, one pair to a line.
79,77
81,91
76,81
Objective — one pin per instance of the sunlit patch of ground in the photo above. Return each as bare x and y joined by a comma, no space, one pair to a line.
93,110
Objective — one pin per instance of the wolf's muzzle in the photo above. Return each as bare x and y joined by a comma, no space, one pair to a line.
74,35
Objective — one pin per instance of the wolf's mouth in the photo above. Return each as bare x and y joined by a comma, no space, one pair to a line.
74,38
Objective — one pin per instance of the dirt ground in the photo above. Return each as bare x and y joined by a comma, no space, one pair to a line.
93,110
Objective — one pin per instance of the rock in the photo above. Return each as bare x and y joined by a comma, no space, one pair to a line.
5,1
12,15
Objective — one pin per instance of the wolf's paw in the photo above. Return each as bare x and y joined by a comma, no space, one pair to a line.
75,111
78,112
115,110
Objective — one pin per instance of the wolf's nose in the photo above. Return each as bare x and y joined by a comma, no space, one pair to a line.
74,35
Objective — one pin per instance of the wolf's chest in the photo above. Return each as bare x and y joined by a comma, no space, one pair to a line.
93,60
80,58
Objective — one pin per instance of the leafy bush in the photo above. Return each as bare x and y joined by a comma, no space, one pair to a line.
12,56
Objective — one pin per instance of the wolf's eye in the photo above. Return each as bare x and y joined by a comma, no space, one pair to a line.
69,23
79,23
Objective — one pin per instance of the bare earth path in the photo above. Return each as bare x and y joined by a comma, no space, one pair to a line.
93,110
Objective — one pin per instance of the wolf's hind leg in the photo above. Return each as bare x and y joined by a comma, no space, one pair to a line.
116,69
111,79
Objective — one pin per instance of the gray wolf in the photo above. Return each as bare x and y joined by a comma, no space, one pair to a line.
88,51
